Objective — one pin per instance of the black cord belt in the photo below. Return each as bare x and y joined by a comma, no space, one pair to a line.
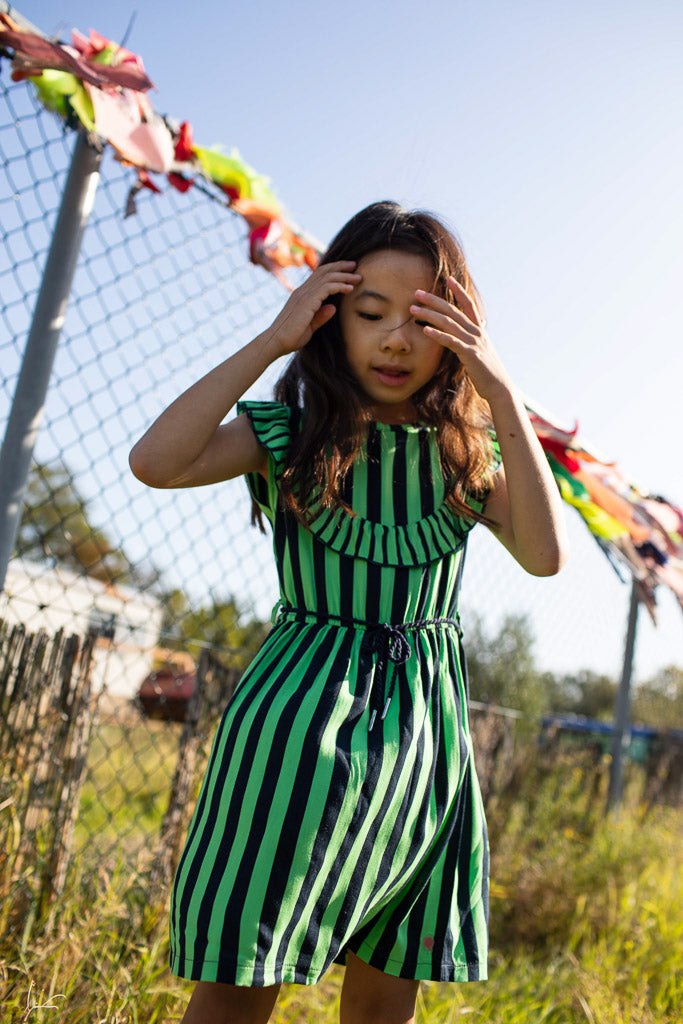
388,641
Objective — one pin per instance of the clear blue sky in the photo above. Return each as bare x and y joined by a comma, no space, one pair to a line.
550,135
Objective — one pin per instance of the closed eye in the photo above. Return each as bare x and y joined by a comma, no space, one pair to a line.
370,316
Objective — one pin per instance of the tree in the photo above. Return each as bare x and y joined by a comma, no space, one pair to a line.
502,667
55,526
585,693
234,637
659,701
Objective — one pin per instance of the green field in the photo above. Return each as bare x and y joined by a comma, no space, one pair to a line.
586,913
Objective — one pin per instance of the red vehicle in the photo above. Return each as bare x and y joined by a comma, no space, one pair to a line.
166,693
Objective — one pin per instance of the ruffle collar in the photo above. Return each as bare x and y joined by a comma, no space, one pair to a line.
426,540
436,535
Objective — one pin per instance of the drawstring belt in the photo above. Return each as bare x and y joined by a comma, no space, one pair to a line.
388,641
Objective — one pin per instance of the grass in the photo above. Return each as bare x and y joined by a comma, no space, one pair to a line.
587,925
126,790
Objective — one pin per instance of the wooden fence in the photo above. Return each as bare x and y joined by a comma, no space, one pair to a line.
49,715
46,719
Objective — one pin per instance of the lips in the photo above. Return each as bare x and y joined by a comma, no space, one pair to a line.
391,375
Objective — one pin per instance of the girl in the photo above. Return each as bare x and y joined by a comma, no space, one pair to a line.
340,817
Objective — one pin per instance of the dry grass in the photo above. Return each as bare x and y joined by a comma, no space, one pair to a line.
587,926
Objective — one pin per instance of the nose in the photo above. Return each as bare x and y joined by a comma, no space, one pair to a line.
397,338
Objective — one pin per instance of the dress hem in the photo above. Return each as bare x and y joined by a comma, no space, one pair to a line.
290,974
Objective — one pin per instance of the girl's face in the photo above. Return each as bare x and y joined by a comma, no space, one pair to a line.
387,350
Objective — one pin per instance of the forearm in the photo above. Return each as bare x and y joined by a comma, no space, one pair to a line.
182,433
187,446
534,529
524,506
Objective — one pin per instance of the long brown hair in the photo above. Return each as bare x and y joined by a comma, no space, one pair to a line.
336,413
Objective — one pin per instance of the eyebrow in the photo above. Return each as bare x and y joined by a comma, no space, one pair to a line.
367,293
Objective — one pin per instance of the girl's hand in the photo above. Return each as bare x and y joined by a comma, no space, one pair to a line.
306,309
462,329
525,506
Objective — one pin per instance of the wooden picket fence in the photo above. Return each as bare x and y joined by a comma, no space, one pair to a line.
48,716
46,719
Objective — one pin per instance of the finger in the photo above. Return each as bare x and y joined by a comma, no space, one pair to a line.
461,346
324,314
464,300
440,311
341,269
312,294
335,285
335,273
344,264
458,342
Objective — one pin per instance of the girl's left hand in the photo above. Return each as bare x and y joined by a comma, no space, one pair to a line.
461,329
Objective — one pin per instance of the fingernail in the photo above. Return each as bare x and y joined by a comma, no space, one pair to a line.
420,293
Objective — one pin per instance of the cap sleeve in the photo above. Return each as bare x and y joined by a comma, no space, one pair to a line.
272,425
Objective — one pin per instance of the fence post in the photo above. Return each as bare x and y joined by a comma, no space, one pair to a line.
622,710
41,345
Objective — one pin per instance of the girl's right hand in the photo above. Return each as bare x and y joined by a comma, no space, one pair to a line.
306,309
189,444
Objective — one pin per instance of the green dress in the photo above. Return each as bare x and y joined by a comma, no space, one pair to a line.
340,808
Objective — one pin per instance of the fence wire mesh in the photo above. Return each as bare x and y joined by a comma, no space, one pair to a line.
163,587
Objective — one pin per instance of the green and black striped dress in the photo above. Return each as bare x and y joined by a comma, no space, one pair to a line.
340,809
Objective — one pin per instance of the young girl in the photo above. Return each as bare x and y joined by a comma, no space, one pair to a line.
340,817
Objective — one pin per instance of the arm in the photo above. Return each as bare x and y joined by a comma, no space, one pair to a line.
525,503
188,444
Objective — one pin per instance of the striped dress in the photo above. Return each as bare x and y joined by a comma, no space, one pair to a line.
340,808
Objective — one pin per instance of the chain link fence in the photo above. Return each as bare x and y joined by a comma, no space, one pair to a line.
148,580
164,588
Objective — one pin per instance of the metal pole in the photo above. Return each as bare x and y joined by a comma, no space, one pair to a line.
19,19
622,708
26,413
